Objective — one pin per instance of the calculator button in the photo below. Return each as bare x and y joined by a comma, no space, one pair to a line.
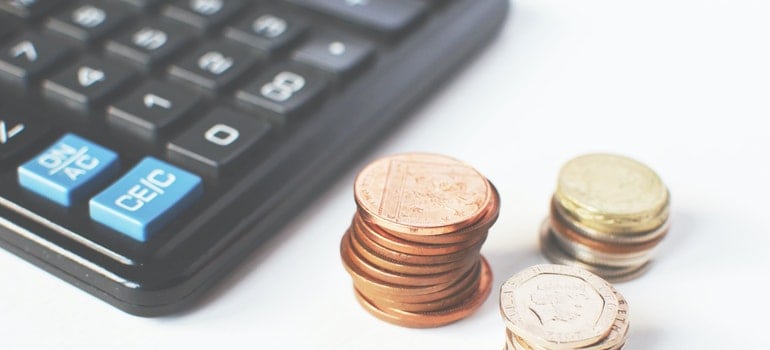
383,16
69,171
16,135
88,21
215,144
214,66
28,8
203,14
267,30
151,110
336,53
147,198
150,42
88,83
29,56
143,4
285,90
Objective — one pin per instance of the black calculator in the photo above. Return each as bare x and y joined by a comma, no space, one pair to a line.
149,146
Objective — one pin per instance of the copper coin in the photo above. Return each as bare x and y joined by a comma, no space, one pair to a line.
430,306
385,263
439,318
394,243
396,278
465,234
412,258
364,281
471,278
421,193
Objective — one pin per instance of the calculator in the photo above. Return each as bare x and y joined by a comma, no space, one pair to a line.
147,147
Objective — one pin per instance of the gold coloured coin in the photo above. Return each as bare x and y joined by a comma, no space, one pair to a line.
607,241
612,192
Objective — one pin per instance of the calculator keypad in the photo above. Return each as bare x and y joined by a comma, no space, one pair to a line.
148,145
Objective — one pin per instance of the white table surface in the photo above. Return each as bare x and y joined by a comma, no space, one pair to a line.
682,85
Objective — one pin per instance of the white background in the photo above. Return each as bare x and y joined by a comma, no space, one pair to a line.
682,85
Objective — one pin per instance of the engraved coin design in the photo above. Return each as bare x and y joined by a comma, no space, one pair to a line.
612,191
413,247
421,193
564,306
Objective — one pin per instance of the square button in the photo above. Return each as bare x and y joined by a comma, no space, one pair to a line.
204,14
69,170
219,142
147,198
214,66
336,53
89,21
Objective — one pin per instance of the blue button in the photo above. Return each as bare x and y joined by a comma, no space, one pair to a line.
70,170
146,199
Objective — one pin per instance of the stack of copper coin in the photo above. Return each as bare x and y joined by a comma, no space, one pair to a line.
562,307
607,216
413,249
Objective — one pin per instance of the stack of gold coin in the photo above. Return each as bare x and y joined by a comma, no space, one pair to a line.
551,307
413,249
607,216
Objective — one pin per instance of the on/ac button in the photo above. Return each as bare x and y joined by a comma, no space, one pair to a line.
69,171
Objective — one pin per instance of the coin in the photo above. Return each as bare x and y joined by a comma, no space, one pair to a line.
413,248
619,331
485,222
556,255
470,279
421,193
596,258
439,318
384,263
396,278
412,258
430,306
605,240
607,216
611,192
400,245
554,301
562,306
